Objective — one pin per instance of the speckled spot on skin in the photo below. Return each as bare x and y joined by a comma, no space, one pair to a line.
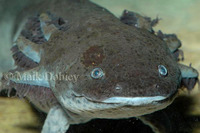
93,56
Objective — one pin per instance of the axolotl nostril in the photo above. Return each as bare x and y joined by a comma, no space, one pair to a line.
78,62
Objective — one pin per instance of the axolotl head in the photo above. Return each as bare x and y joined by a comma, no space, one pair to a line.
130,67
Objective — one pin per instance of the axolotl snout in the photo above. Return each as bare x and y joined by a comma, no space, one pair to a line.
122,71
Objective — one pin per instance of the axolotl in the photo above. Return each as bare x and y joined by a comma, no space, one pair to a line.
121,71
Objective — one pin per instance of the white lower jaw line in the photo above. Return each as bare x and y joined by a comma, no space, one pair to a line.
134,100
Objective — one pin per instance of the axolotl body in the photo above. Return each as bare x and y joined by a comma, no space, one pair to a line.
121,71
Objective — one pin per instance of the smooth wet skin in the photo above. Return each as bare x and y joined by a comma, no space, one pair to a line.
129,57
122,71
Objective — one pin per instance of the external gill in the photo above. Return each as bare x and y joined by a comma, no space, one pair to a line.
139,21
28,85
26,54
50,23
173,44
189,76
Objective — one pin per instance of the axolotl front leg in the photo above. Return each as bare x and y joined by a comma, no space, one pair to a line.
56,121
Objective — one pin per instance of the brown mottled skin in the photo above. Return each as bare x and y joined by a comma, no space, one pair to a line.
129,56
84,37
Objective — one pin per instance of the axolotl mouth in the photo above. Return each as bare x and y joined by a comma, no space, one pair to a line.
115,107
135,101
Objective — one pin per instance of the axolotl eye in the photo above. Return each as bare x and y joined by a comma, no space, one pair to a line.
97,73
162,70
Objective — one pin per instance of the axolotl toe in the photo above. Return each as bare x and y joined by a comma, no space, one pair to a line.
88,64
